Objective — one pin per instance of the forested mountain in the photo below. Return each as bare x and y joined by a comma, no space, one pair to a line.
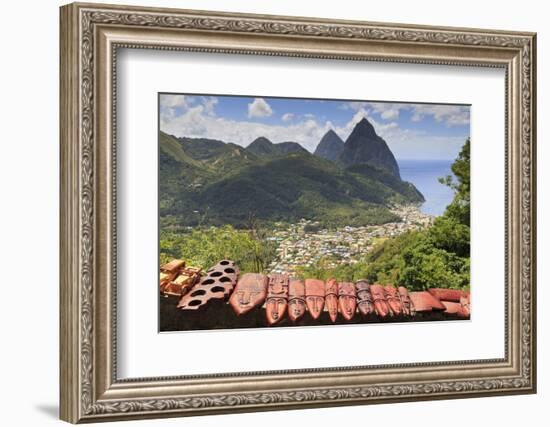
210,182
264,147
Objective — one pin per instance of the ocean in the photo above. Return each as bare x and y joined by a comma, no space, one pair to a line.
424,175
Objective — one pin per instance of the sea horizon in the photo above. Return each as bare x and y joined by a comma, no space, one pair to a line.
424,174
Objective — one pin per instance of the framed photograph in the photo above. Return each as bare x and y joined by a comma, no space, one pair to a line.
267,212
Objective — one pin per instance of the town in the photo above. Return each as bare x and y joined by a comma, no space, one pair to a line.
305,243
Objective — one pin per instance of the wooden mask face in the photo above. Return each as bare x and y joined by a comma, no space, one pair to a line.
347,300
250,292
296,299
277,297
315,297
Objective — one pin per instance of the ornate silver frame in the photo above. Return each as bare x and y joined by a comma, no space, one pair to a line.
90,36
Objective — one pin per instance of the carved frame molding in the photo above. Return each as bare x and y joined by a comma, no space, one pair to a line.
90,37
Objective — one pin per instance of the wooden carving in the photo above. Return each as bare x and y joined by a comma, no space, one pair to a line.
315,297
217,284
347,299
250,292
331,298
296,299
277,297
393,300
364,297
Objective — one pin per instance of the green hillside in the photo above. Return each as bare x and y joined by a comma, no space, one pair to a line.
263,147
209,182
217,155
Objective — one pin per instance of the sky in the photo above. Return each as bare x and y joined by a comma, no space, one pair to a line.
412,131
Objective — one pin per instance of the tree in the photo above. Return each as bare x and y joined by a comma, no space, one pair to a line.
450,235
459,208
204,247
438,256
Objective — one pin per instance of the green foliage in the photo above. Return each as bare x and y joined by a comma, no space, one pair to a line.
205,182
322,270
426,266
171,147
438,256
205,247
459,209
405,191
263,147
450,235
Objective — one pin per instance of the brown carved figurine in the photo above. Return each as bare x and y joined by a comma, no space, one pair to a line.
165,279
347,299
169,271
250,292
379,300
173,266
315,297
364,297
217,284
393,300
296,299
408,308
331,298
186,279
277,297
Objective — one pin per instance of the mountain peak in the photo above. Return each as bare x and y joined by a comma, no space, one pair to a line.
365,146
262,146
330,146
365,127
261,140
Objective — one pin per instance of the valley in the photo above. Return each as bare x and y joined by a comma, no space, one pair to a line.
341,211
211,183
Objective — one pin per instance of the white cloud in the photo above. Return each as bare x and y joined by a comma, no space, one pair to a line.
353,105
170,103
451,115
388,110
287,117
406,143
174,101
209,103
382,129
390,114
195,122
259,108
200,120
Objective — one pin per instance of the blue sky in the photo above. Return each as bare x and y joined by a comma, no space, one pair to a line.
412,131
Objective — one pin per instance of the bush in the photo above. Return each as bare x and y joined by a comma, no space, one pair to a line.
205,247
438,256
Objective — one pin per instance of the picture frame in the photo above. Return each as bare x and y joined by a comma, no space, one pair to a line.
91,35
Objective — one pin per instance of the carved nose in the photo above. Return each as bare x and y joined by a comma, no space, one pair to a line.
244,298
